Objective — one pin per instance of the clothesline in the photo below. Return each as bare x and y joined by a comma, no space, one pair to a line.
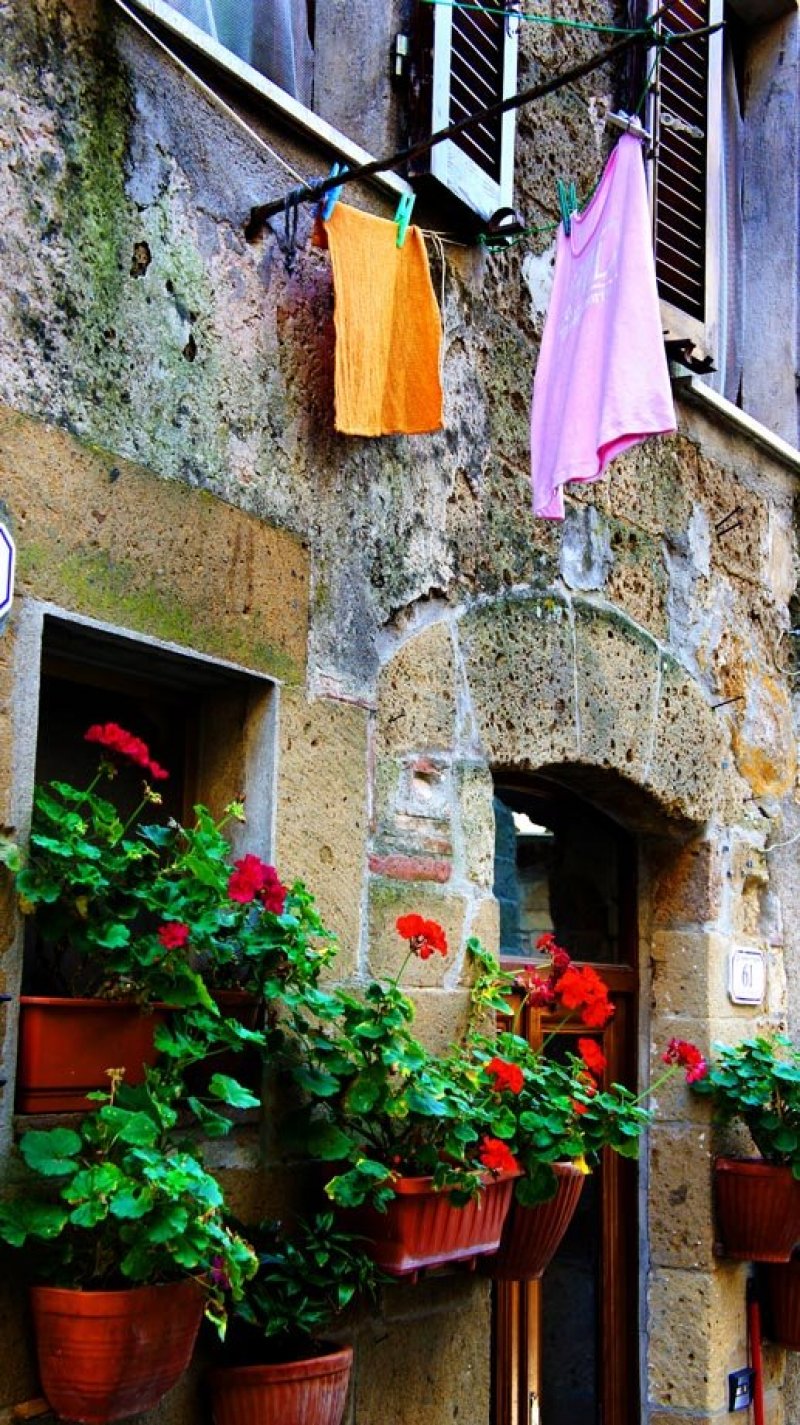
311,192
537,18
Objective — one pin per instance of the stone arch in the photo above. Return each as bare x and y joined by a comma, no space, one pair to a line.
561,683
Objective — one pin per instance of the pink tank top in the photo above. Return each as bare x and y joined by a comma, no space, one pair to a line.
602,382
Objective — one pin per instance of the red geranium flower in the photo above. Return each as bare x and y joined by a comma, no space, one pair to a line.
505,1075
584,991
592,1055
497,1156
688,1056
253,878
123,744
424,936
173,934
538,991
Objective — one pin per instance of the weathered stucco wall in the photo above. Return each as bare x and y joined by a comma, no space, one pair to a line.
168,465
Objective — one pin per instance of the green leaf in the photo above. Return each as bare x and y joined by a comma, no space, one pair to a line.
326,1141
364,1092
22,1219
215,1125
131,1203
10,855
114,937
316,1081
52,1152
138,1129
88,1214
232,1093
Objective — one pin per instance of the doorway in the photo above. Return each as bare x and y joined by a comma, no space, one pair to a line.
566,1348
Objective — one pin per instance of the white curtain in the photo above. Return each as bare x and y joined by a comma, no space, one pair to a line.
272,35
727,377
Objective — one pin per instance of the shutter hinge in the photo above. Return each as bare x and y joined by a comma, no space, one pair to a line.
400,57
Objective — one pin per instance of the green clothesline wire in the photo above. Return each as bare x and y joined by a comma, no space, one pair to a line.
584,203
538,19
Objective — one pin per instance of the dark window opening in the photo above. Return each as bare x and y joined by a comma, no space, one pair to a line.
562,867
205,722
477,83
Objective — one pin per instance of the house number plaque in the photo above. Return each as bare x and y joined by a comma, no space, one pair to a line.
747,976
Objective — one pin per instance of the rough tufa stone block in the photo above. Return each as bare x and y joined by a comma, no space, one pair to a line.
387,950
680,1197
519,663
416,695
697,1334
688,885
322,814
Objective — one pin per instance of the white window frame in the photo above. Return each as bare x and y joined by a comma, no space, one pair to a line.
450,164
322,134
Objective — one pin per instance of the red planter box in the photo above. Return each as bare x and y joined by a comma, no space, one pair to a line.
66,1045
422,1228
310,1392
531,1235
758,1209
105,1355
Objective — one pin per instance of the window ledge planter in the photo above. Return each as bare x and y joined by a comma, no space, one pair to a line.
305,1392
758,1209
105,1355
422,1227
531,1235
66,1046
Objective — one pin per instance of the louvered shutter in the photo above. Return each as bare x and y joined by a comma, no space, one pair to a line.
467,60
686,118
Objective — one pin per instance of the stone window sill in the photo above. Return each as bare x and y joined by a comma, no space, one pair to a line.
692,389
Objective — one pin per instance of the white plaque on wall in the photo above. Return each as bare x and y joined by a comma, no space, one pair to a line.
747,976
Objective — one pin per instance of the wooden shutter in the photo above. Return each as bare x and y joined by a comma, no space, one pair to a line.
682,196
465,61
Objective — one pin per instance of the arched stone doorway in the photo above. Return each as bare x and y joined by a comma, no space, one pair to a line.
576,695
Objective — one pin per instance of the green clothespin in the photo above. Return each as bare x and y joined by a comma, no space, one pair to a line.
567,202
403,216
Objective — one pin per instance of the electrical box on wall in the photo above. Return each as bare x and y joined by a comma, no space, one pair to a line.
747,976
740,1389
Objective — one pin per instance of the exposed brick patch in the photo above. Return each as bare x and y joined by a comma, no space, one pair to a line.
411,868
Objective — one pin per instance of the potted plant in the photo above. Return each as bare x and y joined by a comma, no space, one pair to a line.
425,1170
278,1364
125,1235
564,1114
757,1083
144,928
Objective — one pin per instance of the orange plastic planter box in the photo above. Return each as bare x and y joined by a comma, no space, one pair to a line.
422,1228
66,1046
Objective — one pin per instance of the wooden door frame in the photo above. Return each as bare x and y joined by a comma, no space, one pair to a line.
517,1313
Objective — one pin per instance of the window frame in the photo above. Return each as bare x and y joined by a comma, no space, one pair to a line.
312,126
679,324
450,165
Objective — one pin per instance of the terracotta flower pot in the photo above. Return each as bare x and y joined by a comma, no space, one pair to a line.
104,1355
66,1045
783,1303
310,1392
531,1235
423,1228
758,1209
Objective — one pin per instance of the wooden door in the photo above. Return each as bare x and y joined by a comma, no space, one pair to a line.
566,1348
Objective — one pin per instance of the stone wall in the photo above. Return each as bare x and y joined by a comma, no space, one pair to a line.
168,467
